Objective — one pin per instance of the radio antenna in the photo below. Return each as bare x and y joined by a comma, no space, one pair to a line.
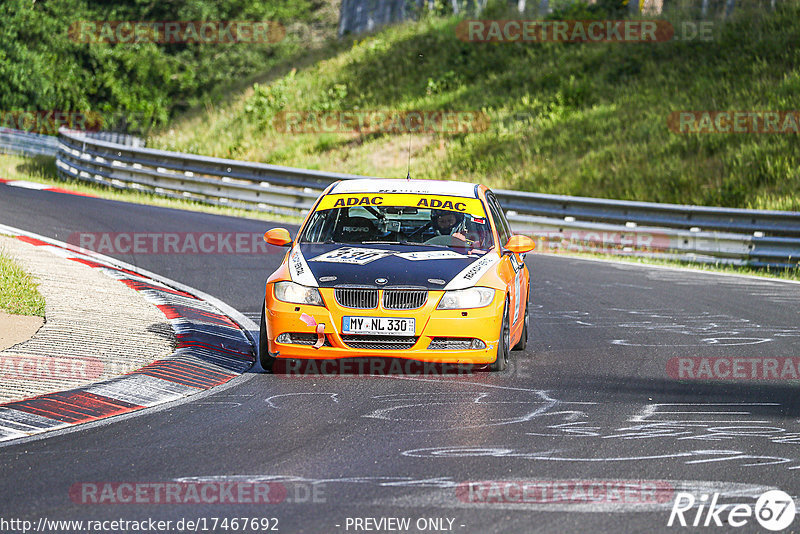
408,174
420,58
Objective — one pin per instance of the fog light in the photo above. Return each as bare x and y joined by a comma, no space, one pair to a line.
284,338
478,344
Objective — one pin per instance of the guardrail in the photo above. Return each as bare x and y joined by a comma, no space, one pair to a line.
26,143
217,181
708,234
32,144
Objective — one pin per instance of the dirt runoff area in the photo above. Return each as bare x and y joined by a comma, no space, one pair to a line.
15,329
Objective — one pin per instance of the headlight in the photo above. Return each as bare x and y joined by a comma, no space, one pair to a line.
297,294
474,297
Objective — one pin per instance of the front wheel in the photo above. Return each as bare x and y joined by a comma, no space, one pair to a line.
264,357
501,362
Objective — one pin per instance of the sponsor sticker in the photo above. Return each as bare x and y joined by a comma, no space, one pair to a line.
430,255
472,206
353,255
298,269
472,273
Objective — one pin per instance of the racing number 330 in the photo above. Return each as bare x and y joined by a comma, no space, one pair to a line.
354,255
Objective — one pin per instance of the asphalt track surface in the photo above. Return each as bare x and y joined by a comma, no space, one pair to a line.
589,400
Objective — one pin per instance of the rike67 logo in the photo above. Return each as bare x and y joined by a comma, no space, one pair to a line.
774,510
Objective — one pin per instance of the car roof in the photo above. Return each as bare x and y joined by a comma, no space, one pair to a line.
424,187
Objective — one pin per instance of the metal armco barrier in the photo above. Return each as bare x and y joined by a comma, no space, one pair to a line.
554,235
32,144
212,180
725,235
26,143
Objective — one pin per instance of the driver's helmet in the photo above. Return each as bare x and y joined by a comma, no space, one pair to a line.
455,216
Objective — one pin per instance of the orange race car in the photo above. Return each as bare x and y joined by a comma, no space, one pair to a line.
417,269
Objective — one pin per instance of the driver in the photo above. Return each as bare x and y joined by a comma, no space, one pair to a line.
446,222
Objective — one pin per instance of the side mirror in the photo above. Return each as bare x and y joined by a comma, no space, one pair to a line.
279,237
520,244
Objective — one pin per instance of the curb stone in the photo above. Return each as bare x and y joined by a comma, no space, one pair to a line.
212,348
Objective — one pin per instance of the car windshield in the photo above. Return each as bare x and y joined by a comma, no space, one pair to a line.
398,225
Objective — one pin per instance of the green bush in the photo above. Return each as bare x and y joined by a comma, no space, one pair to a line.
139,84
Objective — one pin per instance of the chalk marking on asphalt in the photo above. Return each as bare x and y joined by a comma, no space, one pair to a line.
333,396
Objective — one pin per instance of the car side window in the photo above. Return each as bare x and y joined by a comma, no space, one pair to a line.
499,220
317,227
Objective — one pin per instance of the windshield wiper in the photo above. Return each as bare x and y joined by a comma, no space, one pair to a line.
406,243
326,242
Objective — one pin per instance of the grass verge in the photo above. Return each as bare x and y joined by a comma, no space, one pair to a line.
19,294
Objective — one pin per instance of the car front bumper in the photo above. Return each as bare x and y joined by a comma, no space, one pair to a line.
432,326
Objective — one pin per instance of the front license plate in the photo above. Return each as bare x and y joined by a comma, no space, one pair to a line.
387,326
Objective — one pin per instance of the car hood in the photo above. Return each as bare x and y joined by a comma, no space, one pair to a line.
387,265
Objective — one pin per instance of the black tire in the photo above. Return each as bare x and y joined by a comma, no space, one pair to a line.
523,341
264,357
501,362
